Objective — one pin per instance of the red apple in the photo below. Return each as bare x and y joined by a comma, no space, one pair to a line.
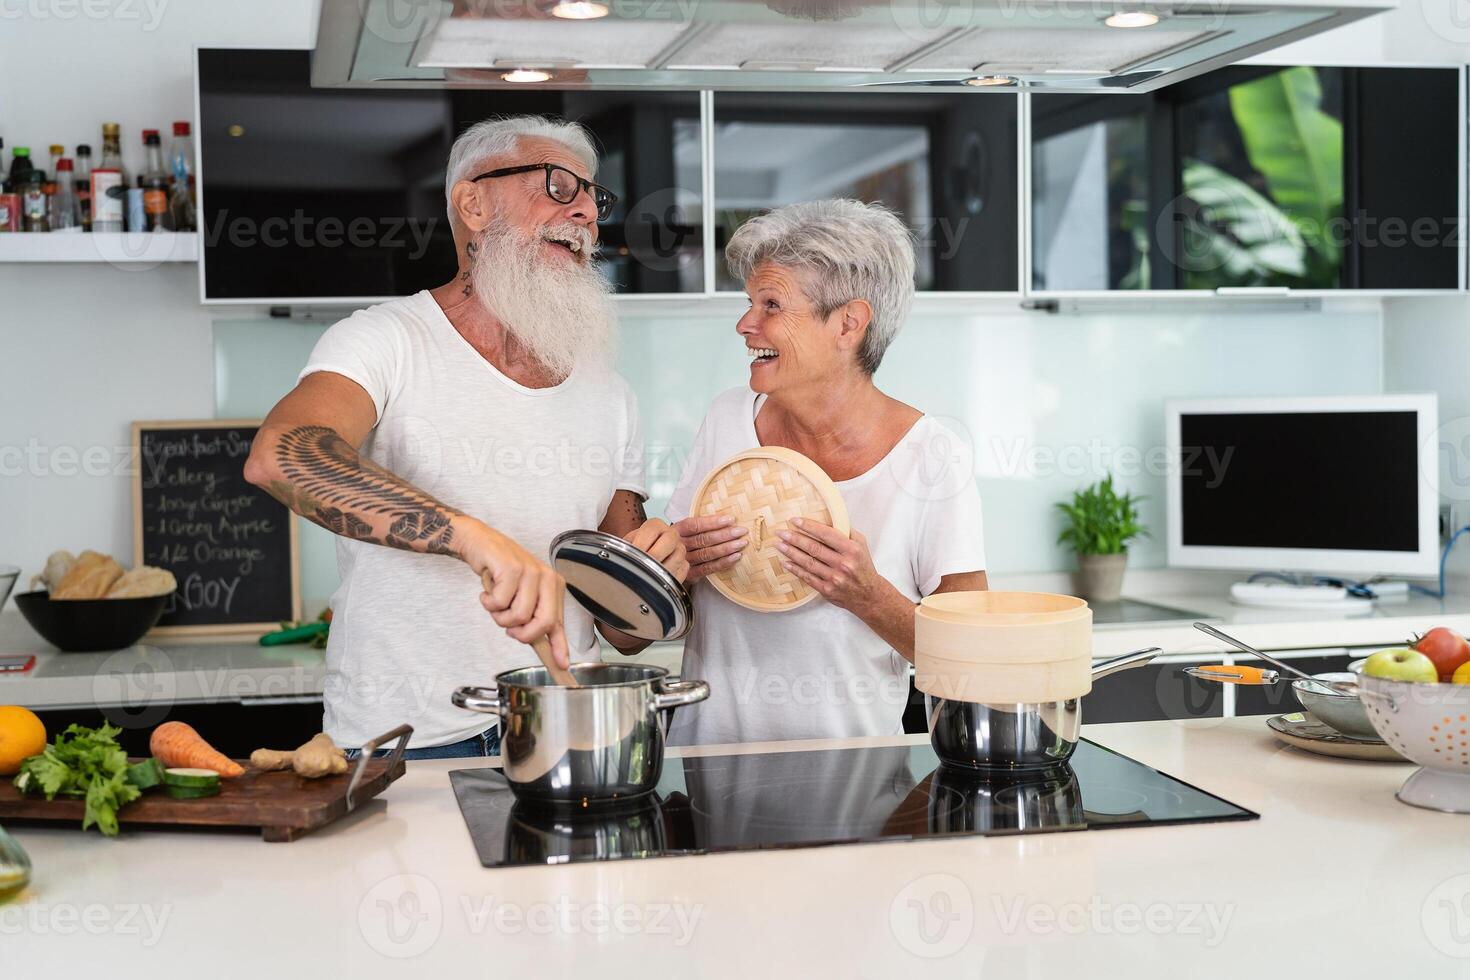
1446,648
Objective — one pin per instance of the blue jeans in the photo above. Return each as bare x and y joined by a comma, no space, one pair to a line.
487,743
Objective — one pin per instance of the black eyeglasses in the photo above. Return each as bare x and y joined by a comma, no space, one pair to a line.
562,186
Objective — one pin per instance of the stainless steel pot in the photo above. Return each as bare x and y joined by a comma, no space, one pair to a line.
600,742
1014,736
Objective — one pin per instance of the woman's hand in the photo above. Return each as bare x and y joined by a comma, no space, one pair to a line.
712,544
839,567
664,544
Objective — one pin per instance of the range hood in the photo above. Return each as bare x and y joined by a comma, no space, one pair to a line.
805,45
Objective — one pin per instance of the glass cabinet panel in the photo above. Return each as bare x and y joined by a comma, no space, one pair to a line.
277,152
1251,176
945,163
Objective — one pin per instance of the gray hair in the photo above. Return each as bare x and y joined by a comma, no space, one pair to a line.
499,136
848,250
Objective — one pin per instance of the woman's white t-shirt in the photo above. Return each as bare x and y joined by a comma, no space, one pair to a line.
818,671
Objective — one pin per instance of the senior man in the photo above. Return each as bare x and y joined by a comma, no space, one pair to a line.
474,421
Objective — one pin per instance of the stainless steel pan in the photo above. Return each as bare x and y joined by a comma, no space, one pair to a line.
1014,736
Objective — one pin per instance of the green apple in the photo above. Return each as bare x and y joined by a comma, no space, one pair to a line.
1402,664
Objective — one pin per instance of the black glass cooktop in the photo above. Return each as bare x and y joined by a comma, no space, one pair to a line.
828,796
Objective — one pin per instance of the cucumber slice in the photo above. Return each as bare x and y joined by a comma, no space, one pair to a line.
146,774
191,778
190,792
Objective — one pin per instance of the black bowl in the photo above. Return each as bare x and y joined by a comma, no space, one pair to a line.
82,625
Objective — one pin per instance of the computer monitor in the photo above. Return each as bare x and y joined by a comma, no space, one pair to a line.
1333,485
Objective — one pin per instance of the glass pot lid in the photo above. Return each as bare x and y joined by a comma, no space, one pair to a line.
622,586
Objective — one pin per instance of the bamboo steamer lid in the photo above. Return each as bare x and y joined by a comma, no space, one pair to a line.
763,489
1003,647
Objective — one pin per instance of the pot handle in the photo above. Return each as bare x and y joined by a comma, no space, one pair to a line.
675,693
485,700
1135,659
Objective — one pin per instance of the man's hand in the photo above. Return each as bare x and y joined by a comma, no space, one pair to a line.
663,543
712,544
527,597
837,566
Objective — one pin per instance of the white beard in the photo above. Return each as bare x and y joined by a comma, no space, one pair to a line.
561,313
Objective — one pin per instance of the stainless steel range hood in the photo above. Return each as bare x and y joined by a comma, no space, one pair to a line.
796,45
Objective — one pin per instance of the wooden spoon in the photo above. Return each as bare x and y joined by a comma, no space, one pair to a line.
542,646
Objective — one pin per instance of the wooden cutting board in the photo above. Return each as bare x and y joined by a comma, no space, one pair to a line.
283,805
763,489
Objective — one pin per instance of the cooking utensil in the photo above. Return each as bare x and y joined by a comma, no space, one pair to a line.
1234,674
622,586
1344,712
1428,724
1333,686
558,674
1015,736
84,625
763,489
599,742
1003,647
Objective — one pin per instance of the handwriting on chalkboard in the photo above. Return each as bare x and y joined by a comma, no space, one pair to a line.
230,545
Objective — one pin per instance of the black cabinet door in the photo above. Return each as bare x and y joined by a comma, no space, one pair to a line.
233,727
1303,177
947,164
1152,693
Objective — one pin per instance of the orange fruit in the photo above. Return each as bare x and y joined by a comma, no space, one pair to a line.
1461,674
21,736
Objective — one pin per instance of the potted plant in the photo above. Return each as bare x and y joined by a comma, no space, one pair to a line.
1100,523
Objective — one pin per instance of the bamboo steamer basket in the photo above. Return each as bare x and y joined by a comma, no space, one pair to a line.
763,489
1003,647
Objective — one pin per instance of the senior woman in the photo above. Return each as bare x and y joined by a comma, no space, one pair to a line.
830,284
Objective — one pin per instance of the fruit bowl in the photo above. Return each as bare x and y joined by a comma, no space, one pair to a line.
1428,724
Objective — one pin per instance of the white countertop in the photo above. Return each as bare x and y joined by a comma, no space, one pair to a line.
1336,879
193,669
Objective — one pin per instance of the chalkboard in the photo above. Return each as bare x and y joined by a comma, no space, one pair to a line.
231,545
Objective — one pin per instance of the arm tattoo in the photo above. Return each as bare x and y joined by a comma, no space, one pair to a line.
329,483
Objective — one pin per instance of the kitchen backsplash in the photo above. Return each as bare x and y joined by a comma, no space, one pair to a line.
1041,404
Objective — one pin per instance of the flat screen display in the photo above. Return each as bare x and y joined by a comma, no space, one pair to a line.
1346,481
336,193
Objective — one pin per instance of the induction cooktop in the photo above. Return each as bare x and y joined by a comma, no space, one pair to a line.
821,797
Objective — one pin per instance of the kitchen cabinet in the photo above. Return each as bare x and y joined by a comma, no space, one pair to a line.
1249,177
236,728
946,163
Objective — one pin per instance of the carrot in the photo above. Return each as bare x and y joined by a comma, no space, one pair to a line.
178,745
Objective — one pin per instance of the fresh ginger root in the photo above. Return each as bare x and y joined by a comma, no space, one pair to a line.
318,757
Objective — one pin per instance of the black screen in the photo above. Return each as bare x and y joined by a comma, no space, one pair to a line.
311,193
1332,480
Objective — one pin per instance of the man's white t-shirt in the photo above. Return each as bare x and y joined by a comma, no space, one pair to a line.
408,628
818,671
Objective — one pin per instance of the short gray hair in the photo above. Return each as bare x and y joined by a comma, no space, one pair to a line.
499,136
849,250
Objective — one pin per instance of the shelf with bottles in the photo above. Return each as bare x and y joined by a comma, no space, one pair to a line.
133,248
71,211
